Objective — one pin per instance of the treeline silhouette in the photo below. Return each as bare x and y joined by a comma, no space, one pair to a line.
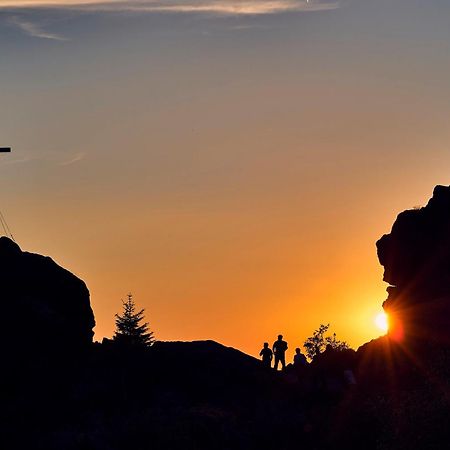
59,390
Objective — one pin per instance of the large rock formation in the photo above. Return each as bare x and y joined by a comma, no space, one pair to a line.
416,260
44,308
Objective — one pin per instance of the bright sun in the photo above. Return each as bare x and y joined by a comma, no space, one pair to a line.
381,321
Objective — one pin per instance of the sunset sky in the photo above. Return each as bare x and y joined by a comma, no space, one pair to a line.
231,163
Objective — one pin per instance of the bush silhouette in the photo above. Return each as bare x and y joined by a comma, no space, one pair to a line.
316,343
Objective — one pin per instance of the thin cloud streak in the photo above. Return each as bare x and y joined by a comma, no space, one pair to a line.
76,158
219,7
23,160
50,157
34,30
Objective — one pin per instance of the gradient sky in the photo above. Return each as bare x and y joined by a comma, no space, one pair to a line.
232,164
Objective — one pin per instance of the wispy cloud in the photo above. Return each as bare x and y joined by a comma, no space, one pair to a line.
219,7
25,159
74,159
53,158
34,30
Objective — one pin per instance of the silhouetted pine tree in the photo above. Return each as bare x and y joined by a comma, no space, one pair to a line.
129,330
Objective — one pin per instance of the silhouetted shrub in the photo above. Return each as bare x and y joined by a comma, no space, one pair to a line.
316,343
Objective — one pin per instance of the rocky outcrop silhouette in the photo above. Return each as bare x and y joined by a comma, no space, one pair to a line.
44,307
416,260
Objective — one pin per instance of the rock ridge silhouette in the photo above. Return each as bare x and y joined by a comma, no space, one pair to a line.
44,306
416,260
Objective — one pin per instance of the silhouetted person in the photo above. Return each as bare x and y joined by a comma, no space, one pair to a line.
299,359
279,350
266,355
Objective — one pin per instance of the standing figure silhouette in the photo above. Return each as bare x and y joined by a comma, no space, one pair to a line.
279,349
266,355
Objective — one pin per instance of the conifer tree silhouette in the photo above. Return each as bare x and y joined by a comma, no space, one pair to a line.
129,330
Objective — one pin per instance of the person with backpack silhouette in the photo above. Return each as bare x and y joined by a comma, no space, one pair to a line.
266,355
279,349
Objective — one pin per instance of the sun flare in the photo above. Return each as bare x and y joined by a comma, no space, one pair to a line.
381,321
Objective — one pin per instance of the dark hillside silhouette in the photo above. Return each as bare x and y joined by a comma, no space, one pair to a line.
58,390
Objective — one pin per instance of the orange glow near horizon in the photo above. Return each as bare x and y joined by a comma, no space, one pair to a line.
232,172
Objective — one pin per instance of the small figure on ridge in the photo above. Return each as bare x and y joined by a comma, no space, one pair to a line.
299,359
266,355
